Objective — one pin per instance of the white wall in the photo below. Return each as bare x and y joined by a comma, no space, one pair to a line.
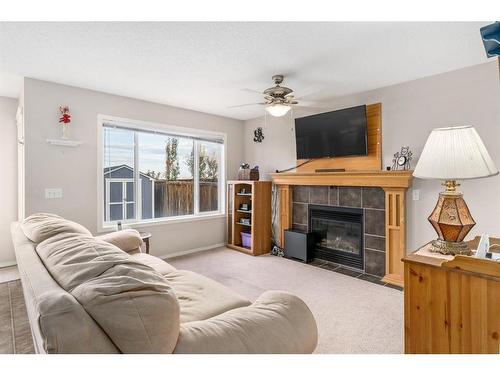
8,186
409,112
75,169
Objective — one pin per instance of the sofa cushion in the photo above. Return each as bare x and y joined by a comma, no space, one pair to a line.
202,298
276,323
59,324
155,263
130,301
128,240
39,227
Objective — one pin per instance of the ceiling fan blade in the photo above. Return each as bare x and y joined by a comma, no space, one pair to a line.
245,105
311,103
322,109
310,91
252,91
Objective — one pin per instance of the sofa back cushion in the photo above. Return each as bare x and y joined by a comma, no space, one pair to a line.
39,227
130,301
59,324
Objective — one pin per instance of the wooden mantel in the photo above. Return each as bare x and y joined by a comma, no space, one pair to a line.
383,179
394,183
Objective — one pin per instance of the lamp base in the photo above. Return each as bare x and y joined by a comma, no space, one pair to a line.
452,221
450,248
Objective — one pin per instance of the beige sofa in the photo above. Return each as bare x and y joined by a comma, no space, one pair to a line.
88,294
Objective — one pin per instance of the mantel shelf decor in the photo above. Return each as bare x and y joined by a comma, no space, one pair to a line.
64,142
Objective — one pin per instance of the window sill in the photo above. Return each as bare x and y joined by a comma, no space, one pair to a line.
163,221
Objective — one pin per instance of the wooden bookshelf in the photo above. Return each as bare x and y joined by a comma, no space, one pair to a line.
257,194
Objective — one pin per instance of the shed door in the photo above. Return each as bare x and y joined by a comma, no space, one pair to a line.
120,200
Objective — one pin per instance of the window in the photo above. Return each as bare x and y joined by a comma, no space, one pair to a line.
152,175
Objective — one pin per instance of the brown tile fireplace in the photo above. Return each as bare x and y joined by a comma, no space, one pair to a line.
381,196
366,203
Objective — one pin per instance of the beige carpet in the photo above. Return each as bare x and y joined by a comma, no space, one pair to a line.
353,315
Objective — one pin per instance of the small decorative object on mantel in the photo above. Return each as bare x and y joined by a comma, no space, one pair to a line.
64,120
258,135
245,173
451,154
402,159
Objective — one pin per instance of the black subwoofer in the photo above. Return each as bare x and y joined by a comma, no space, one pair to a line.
299,245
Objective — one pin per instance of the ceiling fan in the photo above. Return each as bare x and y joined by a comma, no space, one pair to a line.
277,99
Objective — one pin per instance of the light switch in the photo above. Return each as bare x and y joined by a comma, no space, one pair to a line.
53,193
416,194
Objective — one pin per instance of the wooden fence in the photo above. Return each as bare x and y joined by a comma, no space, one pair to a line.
174,198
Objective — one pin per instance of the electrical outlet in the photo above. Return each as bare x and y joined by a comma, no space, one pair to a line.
416,194
53,193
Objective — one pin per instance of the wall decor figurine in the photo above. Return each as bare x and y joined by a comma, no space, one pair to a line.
402,159
258,135
64,120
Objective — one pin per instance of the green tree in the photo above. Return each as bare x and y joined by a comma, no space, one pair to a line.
212,168
172,159
190,162
153,174
207,165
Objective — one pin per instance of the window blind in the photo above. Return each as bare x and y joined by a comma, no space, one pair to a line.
166,132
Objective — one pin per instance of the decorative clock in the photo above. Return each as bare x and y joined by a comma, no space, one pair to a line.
402,159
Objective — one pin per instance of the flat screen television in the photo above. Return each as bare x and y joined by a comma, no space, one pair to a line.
332,134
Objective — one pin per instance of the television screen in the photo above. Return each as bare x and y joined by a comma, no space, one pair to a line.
332,134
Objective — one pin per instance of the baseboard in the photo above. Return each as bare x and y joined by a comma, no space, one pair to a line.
190,251
8,264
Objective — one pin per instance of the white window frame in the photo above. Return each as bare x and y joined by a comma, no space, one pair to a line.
103,226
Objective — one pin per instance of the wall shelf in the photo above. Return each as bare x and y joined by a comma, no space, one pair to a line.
244,224
64,142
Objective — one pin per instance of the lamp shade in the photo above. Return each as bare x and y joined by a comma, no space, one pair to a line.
455,153
277,110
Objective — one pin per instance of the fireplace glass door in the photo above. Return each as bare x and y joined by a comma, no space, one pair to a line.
339,234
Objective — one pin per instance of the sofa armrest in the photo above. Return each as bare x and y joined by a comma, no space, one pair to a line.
127,240
278,322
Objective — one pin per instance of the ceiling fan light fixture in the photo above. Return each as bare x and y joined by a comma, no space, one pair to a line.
277,109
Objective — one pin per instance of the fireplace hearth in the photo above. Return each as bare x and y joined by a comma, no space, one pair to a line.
338,234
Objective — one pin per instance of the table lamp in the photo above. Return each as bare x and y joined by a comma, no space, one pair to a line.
451,154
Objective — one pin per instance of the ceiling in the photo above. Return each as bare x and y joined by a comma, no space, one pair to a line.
205,66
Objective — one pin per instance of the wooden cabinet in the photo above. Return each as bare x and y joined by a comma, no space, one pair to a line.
451,304
249,211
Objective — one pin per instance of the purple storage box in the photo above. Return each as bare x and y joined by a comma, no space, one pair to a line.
246,239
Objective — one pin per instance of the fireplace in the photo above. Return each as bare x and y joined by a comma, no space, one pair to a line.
339,234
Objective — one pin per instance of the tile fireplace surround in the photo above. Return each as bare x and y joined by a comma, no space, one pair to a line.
370,199
384,218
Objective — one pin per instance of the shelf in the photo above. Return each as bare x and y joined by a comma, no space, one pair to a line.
64,142
245,211
245,225
240,248
244,194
